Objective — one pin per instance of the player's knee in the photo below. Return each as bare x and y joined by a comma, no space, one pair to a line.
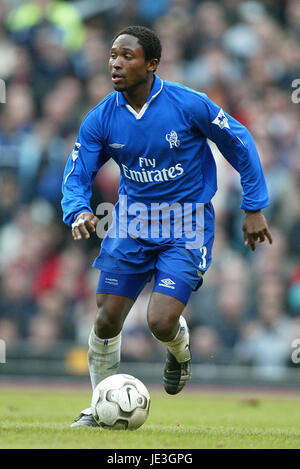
162,326
108,322
107,325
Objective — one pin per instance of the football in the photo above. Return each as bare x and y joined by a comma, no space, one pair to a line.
120,402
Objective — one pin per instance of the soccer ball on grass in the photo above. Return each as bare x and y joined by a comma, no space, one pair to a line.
120,402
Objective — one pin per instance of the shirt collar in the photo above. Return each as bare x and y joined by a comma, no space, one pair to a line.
156,89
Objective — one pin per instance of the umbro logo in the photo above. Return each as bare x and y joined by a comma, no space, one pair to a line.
114,367
167,282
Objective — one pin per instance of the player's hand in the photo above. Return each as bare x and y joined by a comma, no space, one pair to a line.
84,224
255,229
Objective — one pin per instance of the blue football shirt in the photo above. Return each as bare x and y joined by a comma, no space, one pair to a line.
162,151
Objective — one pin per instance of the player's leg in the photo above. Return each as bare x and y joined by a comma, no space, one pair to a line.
179,271
105,337
116,293
167,324
104,345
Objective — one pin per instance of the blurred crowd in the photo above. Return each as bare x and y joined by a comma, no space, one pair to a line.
245,56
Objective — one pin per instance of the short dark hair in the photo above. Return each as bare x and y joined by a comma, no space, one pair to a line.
147,38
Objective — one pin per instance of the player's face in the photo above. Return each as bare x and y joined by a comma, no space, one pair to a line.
127,63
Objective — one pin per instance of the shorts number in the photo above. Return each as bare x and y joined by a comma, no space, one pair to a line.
203,251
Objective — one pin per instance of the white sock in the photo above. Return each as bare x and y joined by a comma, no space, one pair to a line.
103,357
179,345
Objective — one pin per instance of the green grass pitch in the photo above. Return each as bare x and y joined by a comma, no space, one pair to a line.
40,418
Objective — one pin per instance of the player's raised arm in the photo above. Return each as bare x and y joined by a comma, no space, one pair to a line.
237,145
82,166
